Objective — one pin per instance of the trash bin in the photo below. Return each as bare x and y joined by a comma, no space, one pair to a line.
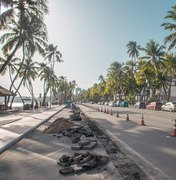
68,103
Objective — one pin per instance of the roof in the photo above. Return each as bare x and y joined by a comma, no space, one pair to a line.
5,92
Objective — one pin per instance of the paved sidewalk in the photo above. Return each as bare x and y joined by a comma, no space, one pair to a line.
144,145
13,132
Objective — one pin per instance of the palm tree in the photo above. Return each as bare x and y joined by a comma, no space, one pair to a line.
26,8
113,82
63,89
170,66
101,87
52,55
101,79
133,49
28,73
28,15
30,70
154,54
128,82
45,74
33,40
171,15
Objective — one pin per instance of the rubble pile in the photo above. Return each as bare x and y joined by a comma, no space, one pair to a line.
76,116
58,126
80,162
80,134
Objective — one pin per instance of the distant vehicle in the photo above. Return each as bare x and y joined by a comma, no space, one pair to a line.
118,103
169,106
106,103
124,104
112,104
154,106
140,105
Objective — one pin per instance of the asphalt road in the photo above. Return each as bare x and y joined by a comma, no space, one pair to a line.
153,141
157,119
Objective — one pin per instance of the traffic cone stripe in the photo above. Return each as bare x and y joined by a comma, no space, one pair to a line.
127,118
174,129
142,121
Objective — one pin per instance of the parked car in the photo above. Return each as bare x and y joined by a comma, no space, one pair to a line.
106,103
118,103
169,106
154,106
112,104
124,104
140,105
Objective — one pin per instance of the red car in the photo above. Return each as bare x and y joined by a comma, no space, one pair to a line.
154,106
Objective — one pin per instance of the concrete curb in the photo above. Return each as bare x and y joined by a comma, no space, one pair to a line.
8,144
152,172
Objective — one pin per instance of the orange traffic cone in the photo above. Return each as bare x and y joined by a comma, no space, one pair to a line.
127,117
117,114
104,110
174,129
111,112
142,121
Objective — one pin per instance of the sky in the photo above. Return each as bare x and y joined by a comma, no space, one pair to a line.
92,34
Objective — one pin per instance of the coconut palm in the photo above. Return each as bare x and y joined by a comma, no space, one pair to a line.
63,88
171,26
170,66
154,54
113,81
52,55
101,79
33,40
24,8
28,17
44,75
28,73
133,49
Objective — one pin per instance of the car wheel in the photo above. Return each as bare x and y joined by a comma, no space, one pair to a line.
170,110
162,109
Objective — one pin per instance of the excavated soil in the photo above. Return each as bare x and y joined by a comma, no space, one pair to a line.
59,126
125,166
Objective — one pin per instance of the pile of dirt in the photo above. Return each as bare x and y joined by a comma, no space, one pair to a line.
59,126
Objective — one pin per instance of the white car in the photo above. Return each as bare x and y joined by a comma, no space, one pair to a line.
112,104
169,106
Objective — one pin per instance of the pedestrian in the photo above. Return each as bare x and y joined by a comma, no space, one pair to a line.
36,106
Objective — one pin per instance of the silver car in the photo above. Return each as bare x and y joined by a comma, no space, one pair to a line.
169,106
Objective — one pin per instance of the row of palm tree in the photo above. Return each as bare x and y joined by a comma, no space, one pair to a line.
147,75
24,32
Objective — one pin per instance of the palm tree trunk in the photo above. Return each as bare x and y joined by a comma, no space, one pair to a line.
16,92
19,84
44,95
9,58
169,90
16,76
